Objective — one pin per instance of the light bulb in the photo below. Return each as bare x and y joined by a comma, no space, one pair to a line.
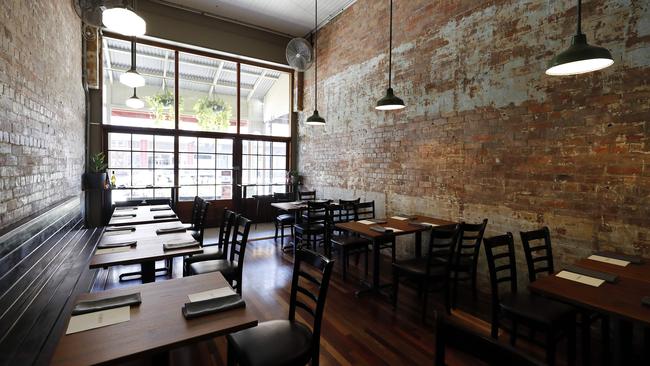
132,79
124,21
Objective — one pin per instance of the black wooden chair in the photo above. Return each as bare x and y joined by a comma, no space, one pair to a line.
231,268
195,209
539,260
432,272
343,242
466,341
198,225
313,230
306,195
554,319
466,258
218,250
285,219
288,342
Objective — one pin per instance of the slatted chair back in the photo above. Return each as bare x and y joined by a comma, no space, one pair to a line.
538,251
500,253
225,228
317,213
312,297
195,208
347,210
442,243
239,240
469,243
307,196
201,217
283,197
366,210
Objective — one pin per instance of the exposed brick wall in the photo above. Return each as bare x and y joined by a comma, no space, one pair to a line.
486,133
41,106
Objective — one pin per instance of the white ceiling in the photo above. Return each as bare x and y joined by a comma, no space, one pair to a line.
291,17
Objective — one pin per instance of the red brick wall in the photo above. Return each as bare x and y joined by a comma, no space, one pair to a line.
41,106
486,133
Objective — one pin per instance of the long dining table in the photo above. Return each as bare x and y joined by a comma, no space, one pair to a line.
145,214
413,224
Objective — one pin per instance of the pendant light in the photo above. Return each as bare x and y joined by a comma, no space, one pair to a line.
390,101
134,102
315,119
124,21
131,78
581,57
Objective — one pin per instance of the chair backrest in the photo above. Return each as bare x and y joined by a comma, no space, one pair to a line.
283,197
366,210
539,255
502,249
314,293
238,246
201,216
460,338
306,195
344,211
195,208
225,228
442,243
158,201
317,212
469,242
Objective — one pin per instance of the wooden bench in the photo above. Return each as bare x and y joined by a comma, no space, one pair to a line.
43,267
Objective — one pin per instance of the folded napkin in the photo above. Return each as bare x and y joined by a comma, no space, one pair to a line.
180,245
160,209
164,216
623,257
297,202
381,229
169,230
378,221
117,245
607,277
91,306
125,208
199,308
123,215
645,301
120,228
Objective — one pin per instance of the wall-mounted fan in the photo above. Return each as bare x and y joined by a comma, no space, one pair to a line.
300,54
89,11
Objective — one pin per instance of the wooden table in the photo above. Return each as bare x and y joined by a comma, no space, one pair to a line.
143,215
621,300
148,250
378,238
156,326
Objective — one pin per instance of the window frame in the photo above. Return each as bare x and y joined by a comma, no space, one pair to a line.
176,132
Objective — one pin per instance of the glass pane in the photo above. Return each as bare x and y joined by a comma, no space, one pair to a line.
142,160
279,162
224,161
164,143
187,193
142,143
263,177
142,193
187,161
186,177
278,189
187,144
207,192
249,161
119,159
142,177
266,147
245,177
263,162
164,178
206,176
279,177
224,146
164,160
279,148
265,101
208,94
162,193
119,141
224,176
224,192
207,145
156,65
122,178
206,161
120,195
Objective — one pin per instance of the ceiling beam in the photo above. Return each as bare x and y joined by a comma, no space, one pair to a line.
201,82
164,80
257,83
216,77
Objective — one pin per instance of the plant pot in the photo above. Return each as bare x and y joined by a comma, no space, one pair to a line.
95,180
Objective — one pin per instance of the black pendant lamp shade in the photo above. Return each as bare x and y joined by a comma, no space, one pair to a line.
390,101
581,57
315,119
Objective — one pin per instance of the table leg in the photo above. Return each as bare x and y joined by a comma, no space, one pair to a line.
374,286
624,348
292,243
148,271
160,358
418,244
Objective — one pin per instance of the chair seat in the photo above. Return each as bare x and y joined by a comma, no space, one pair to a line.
418,266
285,219
209,253
536,308
350,241
226,267
307,229
273,343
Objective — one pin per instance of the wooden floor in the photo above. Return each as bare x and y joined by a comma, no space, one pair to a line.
356,331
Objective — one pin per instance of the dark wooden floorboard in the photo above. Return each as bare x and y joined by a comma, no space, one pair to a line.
356,331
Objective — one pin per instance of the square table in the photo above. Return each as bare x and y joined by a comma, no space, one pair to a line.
406,227
144,215
148,250
156,326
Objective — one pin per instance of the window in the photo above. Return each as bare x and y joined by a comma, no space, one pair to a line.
208,94
156,65
205,168
265,101
140,160
264,164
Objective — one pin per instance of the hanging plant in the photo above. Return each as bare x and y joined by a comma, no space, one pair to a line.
213,113
162,106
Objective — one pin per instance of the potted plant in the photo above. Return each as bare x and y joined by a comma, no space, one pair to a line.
96,178
294,177
213,113
162,105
